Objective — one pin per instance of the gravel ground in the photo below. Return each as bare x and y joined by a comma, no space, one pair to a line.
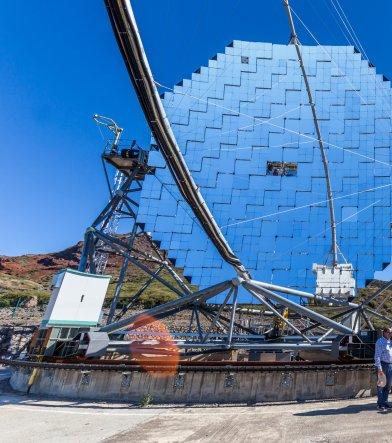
33,316
21,317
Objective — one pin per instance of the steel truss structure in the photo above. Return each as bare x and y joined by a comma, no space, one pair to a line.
224,330
101,238
306,328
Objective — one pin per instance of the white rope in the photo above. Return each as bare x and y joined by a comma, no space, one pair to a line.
257,96
224,70
338,67
332,145
277,126
253,125
324,230
261,122
352,33
356,42
330,56
326,2
251,101
180,201
352,39
100,131
321,19
261,147
306,206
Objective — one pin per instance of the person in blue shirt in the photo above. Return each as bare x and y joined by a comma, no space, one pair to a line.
383,362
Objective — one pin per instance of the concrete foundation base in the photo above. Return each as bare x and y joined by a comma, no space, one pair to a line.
199,386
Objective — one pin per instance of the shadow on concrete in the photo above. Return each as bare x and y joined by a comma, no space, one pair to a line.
347,410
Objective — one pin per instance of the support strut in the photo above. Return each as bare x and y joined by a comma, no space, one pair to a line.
294,40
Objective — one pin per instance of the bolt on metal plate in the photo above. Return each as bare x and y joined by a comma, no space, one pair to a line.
179,380
230,380
50,375
330,379
287,380
126,379
85,380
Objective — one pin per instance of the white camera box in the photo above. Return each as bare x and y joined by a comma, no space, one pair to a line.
76,300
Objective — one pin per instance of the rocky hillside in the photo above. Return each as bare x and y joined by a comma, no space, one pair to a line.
39,268
29,276
25,281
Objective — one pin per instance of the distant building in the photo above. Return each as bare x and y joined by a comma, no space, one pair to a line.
262,179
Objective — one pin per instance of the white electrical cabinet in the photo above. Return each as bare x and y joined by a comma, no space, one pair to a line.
337,281
76,300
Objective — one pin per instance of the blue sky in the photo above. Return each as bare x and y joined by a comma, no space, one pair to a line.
59,64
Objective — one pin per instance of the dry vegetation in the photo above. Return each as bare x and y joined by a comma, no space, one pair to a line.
25,281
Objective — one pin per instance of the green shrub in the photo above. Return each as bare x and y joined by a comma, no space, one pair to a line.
145,400
10,299
151,299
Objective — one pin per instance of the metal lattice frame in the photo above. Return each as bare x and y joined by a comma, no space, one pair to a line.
306,328
100,241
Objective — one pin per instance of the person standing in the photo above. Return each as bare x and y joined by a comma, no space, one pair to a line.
383,362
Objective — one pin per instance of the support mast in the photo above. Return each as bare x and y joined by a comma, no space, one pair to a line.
294,40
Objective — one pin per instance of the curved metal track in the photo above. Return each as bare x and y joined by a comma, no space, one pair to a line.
120,365
129,41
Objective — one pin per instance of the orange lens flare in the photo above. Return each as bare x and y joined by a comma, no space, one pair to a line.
153,347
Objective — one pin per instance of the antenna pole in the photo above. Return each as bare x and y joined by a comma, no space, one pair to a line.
294,40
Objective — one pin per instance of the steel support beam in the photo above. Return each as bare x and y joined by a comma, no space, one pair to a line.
376,314
216,317
124,346
334,317
294,40
139,292
121,278
252,285
383,288
318,298
186,300
198,323
206,309
113,203
232,316
269,305
119,246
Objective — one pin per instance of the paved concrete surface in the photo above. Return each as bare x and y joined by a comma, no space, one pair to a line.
37,420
